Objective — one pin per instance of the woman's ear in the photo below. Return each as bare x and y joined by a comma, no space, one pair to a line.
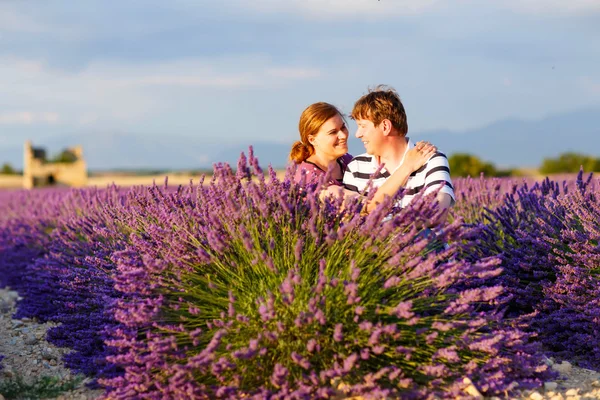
311,140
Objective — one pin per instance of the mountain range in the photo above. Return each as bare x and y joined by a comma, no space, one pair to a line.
506,143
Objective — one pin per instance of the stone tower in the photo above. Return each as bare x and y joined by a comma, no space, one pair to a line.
38,171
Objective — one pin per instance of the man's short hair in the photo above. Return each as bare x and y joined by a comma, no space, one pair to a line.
382,102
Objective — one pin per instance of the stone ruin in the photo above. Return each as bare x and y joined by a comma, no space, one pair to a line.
39,172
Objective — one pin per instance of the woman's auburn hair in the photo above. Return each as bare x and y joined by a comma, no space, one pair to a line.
311,120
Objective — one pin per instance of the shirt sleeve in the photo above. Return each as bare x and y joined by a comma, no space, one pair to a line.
312,174
438,174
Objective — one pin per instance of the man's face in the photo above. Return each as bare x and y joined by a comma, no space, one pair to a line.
370,135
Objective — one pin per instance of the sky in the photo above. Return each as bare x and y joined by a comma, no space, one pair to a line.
237,69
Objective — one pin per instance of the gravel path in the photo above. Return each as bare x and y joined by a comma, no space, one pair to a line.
574,384
29,356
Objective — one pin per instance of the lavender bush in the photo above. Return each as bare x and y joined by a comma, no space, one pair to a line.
254,288
474,195
547,238
569,316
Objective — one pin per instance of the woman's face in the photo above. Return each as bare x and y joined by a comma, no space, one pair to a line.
331,142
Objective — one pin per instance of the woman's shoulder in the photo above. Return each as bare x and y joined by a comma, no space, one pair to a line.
307,166
345,159
309,169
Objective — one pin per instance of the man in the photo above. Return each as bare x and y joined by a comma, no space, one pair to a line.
382,127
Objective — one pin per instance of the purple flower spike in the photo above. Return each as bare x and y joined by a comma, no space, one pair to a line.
338,334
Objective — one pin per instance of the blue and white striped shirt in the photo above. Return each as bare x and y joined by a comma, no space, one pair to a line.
428,178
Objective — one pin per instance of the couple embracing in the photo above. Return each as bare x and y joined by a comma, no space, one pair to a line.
392,161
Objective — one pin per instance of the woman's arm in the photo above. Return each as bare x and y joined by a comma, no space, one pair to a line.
337,191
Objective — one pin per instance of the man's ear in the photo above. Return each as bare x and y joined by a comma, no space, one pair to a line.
386,127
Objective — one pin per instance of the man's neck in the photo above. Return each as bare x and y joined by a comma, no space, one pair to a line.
393,155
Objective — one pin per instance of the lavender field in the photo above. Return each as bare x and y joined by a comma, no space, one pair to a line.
246,286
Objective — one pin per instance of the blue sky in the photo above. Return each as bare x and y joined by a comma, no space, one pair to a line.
237,69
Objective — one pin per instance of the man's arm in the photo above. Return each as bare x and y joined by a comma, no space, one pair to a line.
445,201
438,175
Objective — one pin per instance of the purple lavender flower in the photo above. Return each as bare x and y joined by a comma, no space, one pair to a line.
338,334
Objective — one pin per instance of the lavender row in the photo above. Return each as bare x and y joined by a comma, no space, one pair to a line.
547,236
253,288
52,253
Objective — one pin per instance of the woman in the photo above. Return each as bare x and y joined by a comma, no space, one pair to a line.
324,141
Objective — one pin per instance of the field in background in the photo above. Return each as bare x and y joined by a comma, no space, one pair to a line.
121,179
179,178
138,180
10,181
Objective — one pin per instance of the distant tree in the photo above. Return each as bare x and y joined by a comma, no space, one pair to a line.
7,169
569,163
65,156
463,164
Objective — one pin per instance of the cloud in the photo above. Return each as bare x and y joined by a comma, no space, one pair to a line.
342,8
88,118
220,72
550,7
326,9
190,81
589,85
20,19
321,9
210,78
28,118
118,93
294,73
14,21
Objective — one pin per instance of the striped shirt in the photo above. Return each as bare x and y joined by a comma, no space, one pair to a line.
426,179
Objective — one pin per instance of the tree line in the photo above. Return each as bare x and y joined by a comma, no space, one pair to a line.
464,164
461,164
